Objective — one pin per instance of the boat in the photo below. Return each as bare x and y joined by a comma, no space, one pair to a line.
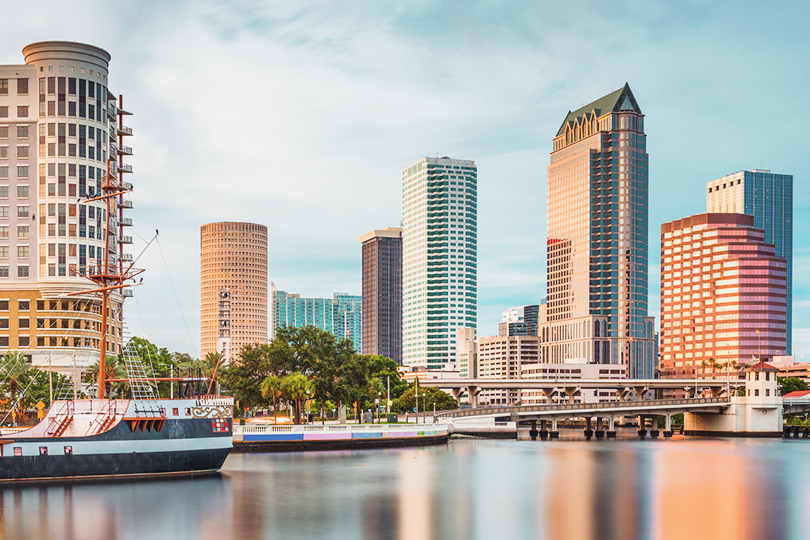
104,437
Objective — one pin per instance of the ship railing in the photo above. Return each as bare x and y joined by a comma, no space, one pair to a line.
332,428
103,418
217,401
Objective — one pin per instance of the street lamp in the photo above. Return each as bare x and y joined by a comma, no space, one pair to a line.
424,407
307,408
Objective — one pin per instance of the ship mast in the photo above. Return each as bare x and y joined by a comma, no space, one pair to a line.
107,276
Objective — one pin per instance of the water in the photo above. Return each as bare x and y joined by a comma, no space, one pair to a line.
496,490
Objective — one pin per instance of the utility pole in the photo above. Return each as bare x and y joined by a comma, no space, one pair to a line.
74,376
50,381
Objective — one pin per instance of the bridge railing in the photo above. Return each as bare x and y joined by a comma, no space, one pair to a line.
562,407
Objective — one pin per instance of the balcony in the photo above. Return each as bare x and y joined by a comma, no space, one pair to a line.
124,167
126,150
126,257
127,293
112,110
125,130
125,240
127,185
126,203
125,222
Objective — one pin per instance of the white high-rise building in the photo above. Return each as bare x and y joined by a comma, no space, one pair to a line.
439,234
60,132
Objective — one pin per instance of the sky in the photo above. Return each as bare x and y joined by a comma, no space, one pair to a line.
302,115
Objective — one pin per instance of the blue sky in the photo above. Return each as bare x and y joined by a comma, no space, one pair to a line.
302,115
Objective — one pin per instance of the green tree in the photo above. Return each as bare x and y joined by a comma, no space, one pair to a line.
295,387
407,402
243,376
113,369
271,388
792,384
15,368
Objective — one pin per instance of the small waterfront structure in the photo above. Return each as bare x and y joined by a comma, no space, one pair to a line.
756,413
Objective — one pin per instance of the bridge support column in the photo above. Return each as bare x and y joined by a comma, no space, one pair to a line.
543,430
642,427
654,426
473,392
456,392
554,434
571,392
668,425
533,431
588,430
600,433
611,432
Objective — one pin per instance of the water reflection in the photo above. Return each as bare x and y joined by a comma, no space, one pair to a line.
470,489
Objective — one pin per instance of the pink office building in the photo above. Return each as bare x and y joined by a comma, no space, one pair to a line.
723,296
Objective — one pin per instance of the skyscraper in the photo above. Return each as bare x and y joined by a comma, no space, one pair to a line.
597,245
60,132
522,320
233,287
439,235
382,293
340,315
769,198
722,295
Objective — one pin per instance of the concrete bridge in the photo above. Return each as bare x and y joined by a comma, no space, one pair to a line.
605,414
570,388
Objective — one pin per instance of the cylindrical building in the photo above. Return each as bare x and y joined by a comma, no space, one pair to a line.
233,287
60,132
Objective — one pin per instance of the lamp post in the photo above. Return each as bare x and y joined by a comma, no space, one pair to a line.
306,406
424,408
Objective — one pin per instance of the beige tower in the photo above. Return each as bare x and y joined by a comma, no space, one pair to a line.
233,287
61,128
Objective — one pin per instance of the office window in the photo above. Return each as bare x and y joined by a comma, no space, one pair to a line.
3,211
22,132
3,87
3,271
22,271
4,230
22,86
22,152
3,111
23,323
22,252
22,211
3,132
22,231
3,252
3,192
22,171
23,341
22,111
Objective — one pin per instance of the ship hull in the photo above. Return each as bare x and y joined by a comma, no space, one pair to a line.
66,467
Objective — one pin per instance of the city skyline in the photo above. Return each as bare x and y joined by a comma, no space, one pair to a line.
499,118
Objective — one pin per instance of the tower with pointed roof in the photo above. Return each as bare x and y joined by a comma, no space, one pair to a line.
597,249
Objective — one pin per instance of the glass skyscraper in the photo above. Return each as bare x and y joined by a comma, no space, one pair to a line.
769,198
341,315
440,258
597,248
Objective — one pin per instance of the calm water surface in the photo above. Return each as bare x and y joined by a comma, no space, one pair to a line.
679,489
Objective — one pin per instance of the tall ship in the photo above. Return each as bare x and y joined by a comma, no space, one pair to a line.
70,198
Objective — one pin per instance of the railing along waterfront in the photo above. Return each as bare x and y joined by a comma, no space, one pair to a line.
562,407
332,428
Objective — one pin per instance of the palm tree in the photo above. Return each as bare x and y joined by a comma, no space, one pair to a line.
294,387
271,387
14,366
114,369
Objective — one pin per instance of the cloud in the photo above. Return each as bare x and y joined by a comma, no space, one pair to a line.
301,116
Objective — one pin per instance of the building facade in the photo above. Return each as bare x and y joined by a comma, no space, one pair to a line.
503,357
597,248
382,293
233,287
723,296
522,320
769,198
61,138
440,258
341,315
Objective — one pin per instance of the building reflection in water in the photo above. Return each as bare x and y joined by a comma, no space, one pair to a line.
120,509
715,491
